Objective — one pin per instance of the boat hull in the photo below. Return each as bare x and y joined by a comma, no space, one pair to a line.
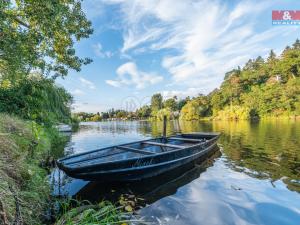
144,172
175,151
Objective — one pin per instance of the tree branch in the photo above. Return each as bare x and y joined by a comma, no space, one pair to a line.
18,20
21,22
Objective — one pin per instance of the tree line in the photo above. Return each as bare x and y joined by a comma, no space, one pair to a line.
261,88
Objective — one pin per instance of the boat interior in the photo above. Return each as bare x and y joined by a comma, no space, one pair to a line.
136,149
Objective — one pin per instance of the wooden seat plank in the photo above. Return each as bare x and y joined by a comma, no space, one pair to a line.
162,145
185,139
134,150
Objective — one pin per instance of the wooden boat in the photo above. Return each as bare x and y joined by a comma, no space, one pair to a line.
139,160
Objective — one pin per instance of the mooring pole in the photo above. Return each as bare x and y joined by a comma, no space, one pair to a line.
165,127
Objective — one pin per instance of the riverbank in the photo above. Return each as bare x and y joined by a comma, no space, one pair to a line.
24,192
27,152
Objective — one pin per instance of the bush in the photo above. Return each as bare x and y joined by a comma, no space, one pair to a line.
234,113
190,111
36,98
159,116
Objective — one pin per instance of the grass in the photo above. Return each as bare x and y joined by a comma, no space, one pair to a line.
25,149
24,190
86,213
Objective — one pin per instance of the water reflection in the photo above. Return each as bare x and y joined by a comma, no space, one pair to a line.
256,181
223,196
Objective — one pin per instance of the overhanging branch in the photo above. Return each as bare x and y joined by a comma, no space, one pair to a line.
21,22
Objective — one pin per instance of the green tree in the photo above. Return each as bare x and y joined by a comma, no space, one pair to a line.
272,56
164,112
156,102
144,112
263,88
170,103
190,111
95,118
121,114
296,45
41,35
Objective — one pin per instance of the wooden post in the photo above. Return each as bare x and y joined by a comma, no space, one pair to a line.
165,127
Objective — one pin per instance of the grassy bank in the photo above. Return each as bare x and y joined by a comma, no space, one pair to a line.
24,191
26,152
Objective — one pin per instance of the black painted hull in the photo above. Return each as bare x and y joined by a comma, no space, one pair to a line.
143,173
143,167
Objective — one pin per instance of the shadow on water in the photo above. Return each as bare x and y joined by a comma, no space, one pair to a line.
150,190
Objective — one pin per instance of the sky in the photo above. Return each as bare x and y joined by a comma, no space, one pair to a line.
172,47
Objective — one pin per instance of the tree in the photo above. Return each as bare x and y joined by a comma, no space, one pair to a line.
39,35
296,45
272,56
190,111
164,112
121,114
181,103
171,104
156,102
144,111
234,72
95,118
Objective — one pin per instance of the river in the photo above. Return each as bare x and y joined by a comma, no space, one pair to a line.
253,179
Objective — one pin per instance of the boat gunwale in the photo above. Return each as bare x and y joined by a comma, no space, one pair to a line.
72,169
156,164
134,142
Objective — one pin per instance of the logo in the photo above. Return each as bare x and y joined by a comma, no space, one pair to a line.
286,17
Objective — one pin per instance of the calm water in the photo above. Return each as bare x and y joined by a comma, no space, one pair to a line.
253,179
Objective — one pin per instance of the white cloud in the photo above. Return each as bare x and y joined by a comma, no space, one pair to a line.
88,107
98,49
77,92
207,37
180,94
87,83
129,74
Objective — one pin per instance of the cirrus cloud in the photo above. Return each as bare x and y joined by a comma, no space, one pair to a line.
98,49
206,37
86,83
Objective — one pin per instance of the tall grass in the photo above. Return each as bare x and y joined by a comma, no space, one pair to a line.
24,190
102,213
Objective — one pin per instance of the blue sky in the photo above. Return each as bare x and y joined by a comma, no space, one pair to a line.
174,47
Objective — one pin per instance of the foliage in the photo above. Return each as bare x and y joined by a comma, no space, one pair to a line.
171,103
190,111
119,114
262,88
234,113
156,103
40,35
144,112
102,213
163,112
195,108
83,116
96,117
36,98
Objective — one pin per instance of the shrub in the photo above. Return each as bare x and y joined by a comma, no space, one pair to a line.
234,113
36,98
